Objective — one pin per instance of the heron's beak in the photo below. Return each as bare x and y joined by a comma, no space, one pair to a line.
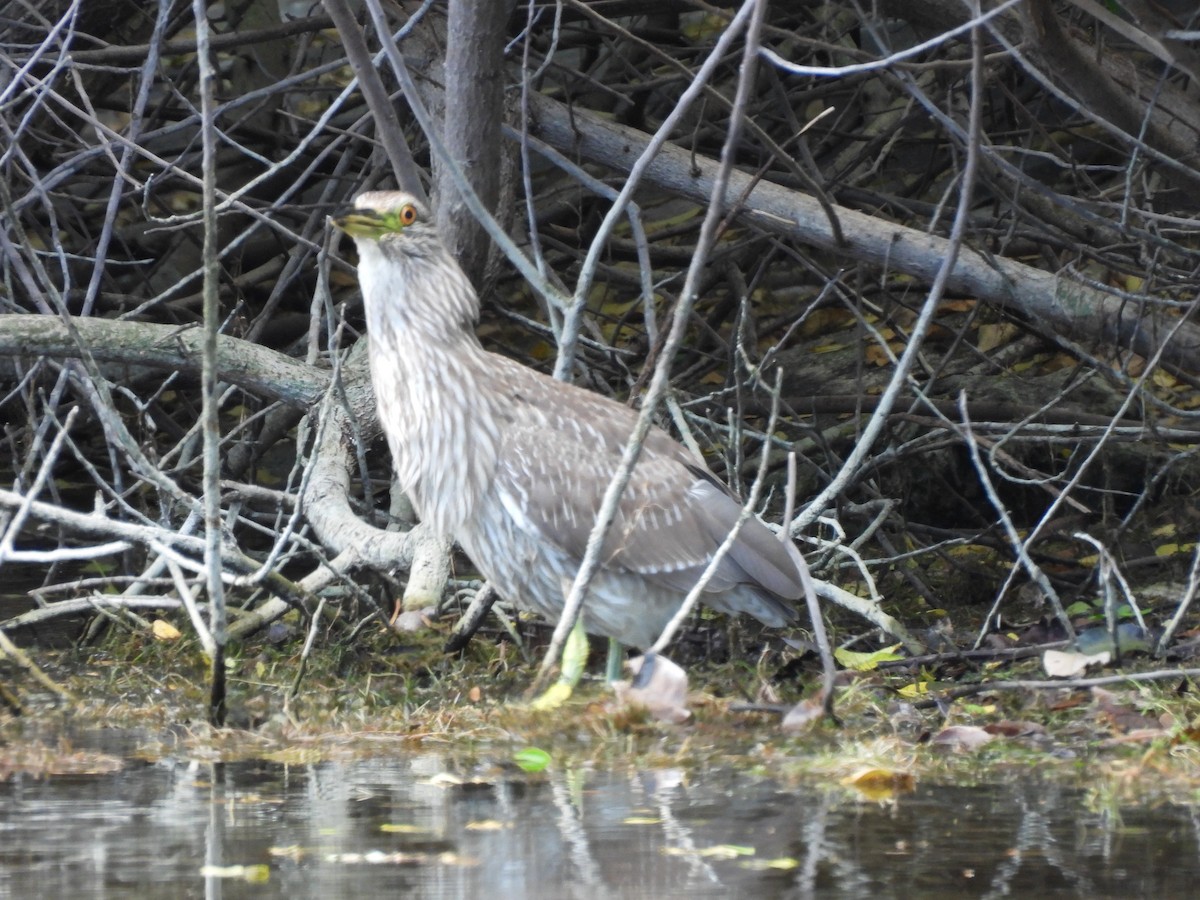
368,223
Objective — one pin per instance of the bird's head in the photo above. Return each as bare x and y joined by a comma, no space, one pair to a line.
408,277
385,215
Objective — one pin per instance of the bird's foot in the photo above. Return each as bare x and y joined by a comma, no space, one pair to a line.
553,697
615,662
574,658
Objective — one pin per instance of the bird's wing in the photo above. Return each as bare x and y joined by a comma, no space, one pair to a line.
559,447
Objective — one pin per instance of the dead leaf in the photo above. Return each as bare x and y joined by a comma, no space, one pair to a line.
1068,664
802,716
1070,701
876,355
1137,736
956,306
1123,717
825,321
1012,729
961,737
659,685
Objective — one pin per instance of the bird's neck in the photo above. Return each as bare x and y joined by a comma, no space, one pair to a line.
430,377
425,301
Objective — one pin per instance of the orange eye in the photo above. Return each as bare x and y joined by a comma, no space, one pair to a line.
408,214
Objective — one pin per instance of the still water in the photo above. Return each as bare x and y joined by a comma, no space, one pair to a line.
407,824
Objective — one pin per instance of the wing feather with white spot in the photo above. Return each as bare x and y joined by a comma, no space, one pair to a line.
559,447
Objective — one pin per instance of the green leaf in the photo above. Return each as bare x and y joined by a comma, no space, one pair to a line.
532,759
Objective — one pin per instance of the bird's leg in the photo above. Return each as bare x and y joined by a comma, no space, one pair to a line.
574,658
616,656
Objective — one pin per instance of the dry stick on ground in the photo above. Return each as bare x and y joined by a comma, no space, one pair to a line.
77,606
1056,302
1185,602
1070,684
255,368
1036,575
98,525
267,373
327,491
17,655
137,53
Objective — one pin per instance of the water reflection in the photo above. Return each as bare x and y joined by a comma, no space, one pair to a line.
394,825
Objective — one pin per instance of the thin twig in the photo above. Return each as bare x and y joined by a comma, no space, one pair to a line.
654,393
209,377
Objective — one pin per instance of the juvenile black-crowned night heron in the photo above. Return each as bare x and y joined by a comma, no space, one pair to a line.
514,464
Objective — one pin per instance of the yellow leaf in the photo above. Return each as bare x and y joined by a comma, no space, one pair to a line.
1058,362
996,334
959,306
705,27
1164,379
164,630
257,874
822,321
865,662
879,784
784,863
267,478
727,851
311,109
542,350
488,825
876,355
672,221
